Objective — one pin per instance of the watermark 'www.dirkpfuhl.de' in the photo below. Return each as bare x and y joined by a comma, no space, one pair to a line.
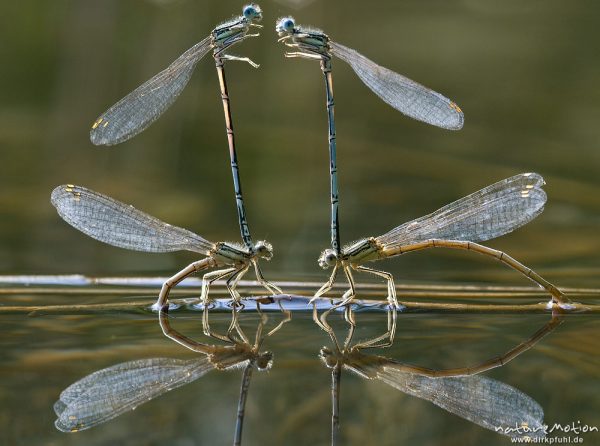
526,434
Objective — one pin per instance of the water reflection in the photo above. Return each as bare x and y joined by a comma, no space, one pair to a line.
302,342
461,391
107,393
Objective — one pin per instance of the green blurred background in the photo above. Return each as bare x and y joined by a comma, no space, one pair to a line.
523,72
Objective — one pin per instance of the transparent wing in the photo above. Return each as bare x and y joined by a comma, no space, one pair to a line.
486,214
107,393
140,108
405,95
118,224
489,403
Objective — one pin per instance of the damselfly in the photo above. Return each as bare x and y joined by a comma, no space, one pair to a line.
405,95
144,105
118,224
140,108
484,215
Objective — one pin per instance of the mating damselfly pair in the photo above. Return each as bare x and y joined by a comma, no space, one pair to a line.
491,212
486,214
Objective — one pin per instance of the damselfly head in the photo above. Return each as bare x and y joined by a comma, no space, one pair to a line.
328,258
264,361
252,12
263,249
328,357
285,26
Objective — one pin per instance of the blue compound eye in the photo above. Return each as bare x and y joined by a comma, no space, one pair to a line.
288,24
251,12
285,25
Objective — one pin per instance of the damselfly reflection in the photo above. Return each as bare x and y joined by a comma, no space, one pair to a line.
484,215
107,393
140,108
484,401
240,354
110,221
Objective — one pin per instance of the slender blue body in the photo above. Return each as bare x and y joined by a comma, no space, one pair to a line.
335,225
235,171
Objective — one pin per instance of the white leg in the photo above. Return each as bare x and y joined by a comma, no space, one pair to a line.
273,289
231,284
209,278
327,285
323,290
240,59
391,297
287,317
349,317
293,54
393,302
389,335
346,299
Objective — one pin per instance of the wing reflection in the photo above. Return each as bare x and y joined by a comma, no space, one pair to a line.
461,391
107,393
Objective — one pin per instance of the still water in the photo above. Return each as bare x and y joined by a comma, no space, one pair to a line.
47,348
523,75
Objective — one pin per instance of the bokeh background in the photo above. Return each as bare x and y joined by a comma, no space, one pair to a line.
525,74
